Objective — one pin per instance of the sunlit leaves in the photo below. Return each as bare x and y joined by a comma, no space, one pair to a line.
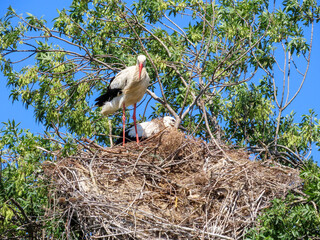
297,44
152,10
24,196
250,111
9,35
300,136
21,159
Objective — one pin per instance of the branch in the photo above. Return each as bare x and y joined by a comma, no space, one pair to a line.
155,97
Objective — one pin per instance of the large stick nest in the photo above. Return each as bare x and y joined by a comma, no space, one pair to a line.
168,187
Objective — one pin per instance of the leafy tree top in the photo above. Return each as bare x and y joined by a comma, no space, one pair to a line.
213,65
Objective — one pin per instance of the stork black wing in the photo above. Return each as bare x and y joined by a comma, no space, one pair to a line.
110,94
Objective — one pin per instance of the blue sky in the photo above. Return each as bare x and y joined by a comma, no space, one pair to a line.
309,98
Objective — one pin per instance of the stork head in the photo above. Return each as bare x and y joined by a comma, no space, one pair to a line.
141,62
169,121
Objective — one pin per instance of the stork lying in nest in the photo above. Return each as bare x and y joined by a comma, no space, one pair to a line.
148,129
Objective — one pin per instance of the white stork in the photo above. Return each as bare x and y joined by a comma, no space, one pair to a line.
147,129
125,89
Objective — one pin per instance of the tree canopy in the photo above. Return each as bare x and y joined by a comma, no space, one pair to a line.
222,68
214,66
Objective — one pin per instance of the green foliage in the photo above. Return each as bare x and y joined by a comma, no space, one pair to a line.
20,187
296,216
24,196
249,116
250,112
300,136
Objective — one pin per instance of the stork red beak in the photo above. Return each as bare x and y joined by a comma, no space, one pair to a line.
140,69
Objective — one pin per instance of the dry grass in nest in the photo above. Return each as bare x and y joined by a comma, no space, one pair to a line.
169,187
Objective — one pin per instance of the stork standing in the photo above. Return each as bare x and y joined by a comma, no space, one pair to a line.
127,88
147,129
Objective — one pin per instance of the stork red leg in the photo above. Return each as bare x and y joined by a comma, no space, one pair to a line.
134,121
124,123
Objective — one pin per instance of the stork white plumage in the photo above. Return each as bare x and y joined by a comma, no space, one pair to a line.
127,88
148,129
